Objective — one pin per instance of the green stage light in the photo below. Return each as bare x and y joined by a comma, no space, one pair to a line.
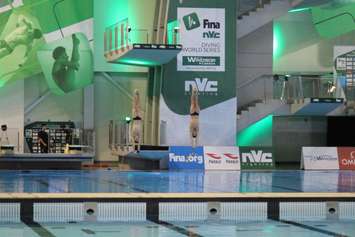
278,41
299,9
249,135
127,119
137,62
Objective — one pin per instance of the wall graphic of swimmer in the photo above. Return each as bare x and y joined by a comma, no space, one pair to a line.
24,34
64,68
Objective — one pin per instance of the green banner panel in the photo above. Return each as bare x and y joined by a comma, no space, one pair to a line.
256,158
335,18
54,14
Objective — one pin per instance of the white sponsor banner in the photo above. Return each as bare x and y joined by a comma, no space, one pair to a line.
202,34
319,158
221,158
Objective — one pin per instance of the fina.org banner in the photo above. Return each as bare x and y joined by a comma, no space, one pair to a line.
221,158
256,158
319,158
202,34
186,157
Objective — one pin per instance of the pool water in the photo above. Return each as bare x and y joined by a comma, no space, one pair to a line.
112,181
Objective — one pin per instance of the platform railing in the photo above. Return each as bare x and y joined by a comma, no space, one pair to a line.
11,137
287,88
120,141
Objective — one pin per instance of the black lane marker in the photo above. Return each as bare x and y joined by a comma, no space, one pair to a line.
40,230
178,229
88,231
125,185
326,232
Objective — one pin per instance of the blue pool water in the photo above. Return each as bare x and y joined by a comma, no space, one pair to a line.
211,181
149,229
90,181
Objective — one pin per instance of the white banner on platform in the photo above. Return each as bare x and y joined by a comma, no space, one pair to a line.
319,158
221,158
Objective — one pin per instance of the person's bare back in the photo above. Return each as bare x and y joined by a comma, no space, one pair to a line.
194,119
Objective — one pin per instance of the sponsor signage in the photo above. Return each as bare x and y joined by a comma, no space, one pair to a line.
256,158
202,35
346,157
319,158
203,85
186,157
221,158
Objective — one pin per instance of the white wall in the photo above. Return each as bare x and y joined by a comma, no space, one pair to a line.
54,107
254,59
12,111
303,50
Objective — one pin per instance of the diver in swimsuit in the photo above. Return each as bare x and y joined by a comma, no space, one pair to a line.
136,129
194,119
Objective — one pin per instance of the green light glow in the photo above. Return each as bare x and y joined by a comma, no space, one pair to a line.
137,62
127,119
278,41
250,135
299,9
173,36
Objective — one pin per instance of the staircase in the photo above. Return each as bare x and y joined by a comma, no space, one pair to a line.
263,12
254,112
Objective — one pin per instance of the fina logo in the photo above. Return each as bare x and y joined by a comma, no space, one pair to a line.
257,157
191,158
203,86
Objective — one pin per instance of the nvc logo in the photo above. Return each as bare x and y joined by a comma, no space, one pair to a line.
203,85
257,157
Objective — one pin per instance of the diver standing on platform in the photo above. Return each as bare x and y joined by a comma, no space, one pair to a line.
194,120
136,128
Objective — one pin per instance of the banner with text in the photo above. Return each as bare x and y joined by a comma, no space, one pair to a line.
221,158
186,157
256,158
207,32
319,158
346,156
202,35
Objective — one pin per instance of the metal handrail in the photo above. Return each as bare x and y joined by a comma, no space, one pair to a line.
287,89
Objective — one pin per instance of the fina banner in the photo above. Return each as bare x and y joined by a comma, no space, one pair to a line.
202,34
256,158
346,157
319,158
186,157
221,158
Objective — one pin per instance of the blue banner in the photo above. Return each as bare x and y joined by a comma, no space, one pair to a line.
186,157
